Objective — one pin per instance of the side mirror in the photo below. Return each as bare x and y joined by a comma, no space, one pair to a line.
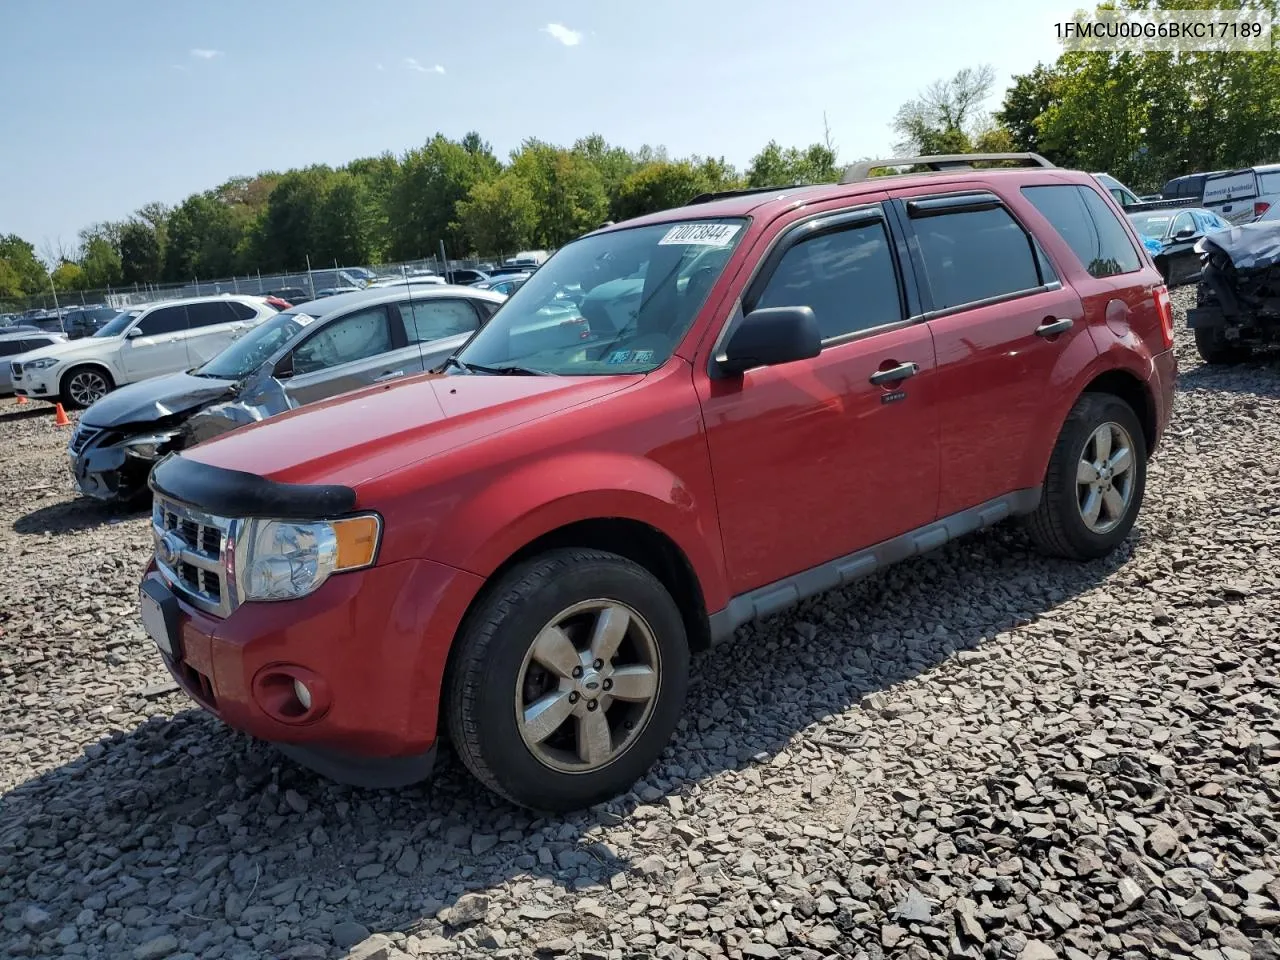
284,367
771,336
1186,233
133,334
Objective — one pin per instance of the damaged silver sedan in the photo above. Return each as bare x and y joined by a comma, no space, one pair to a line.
311,352
1237,308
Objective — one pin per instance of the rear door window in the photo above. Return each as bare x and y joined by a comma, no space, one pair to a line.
10,348
208,314
353,337
1088,225
426,320
974,255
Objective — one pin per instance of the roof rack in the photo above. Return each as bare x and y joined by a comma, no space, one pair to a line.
720,195
939,163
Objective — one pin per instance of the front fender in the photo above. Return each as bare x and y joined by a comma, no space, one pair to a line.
487,527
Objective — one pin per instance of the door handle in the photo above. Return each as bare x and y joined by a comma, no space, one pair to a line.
389,375
1051,328
894,374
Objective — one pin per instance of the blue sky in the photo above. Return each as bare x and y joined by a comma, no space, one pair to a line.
109,105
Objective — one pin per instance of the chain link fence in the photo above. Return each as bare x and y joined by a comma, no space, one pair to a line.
317,280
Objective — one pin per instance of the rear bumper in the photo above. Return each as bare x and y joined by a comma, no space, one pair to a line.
371,647
1164,378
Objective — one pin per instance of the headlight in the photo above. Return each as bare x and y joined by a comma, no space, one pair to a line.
285,559
40,364
148,447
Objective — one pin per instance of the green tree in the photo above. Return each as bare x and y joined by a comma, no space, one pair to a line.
614,165
659,186
943,118
378,177
141,256
1025,102
343,225
567,191
23,273
68,276
433,180
499,216
287,232
100,264
774,166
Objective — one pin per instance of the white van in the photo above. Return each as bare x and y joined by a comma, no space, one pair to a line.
1240,196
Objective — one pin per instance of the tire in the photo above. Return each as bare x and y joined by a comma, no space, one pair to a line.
80,385
1217,350
493,676
1060,527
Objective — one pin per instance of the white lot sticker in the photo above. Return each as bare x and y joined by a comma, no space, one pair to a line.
703,234
301,319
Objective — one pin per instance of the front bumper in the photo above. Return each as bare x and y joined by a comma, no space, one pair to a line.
37,384
101,469
370,645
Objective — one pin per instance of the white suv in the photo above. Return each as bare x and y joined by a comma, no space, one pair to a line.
142,342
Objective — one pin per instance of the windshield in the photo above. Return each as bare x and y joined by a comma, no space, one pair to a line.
117,324
616,302
253,349
1152,225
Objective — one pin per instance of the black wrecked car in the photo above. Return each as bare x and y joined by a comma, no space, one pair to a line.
310,352
1237,309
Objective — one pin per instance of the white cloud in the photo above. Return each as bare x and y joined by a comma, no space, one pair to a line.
558,31
413,64
201,54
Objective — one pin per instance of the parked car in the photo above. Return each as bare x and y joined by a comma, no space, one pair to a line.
143,342
1237,312
1240,196
294,295
1129,201
298,356
506,284
14,342
86,321
778,392
335,291
1170,236
409,281
466,277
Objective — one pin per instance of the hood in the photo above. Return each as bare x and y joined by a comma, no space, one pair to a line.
358,436
155,399
73,349
1250,246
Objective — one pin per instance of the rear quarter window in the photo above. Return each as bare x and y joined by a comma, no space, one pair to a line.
1090,228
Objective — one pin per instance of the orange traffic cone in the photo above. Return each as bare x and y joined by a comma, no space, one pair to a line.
61,418
21,399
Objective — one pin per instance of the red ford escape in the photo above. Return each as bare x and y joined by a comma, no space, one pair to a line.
678,424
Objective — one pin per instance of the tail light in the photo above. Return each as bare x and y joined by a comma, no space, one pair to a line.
1164,307
1259,208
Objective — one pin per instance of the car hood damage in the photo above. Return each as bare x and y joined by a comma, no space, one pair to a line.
1239,290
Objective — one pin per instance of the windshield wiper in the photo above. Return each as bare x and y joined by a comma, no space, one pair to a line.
509,370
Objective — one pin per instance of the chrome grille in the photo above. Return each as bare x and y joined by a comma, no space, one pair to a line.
191,550
83,436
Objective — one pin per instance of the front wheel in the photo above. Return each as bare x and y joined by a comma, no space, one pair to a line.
84,386
567,680
1094,486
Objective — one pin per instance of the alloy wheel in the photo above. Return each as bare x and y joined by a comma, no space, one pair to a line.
87,387
587,686
1105,477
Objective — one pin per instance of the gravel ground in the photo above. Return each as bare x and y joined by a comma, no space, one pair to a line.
979,754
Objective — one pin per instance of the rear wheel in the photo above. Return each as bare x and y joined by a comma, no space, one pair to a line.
85,386
1094,486
567,680
1214,348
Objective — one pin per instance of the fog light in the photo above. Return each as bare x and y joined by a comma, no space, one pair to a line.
302,693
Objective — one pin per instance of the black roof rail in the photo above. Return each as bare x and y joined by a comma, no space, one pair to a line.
746,191
939,163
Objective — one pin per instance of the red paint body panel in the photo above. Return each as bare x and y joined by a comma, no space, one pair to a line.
753,479
379,638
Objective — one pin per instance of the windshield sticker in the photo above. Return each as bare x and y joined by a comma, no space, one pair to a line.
620,356
701,234
642,356
301,319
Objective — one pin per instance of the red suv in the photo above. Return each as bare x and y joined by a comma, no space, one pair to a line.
678,424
